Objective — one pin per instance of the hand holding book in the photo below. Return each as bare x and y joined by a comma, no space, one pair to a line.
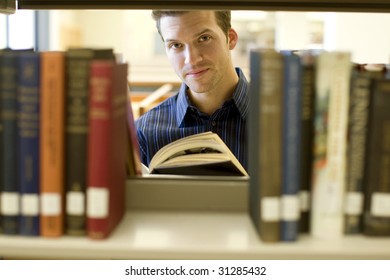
199,154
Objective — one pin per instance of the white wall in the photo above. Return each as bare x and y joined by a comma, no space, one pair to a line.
367,36
21,23
3,34
291,30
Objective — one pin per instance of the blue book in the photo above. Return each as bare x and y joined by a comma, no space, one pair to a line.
10,209
28,145
291,142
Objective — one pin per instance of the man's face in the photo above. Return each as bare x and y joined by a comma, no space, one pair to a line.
197,48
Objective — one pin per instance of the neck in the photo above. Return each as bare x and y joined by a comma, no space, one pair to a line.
209,102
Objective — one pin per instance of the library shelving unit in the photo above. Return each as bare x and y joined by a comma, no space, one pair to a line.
198,217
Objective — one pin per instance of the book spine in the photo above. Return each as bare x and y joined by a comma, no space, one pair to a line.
332,94
356,147
76,133
377,180
290,203
1,137
134,155
265,142
307,129
10,209
106,146
28,133
52,143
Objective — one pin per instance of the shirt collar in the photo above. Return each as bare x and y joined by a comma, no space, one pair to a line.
240,98
240,95
182,104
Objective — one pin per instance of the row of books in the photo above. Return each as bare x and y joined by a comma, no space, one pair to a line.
63,142
319,142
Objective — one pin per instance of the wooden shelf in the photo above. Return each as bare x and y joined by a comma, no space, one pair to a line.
190,235
269,5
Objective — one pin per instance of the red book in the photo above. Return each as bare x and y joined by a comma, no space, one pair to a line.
106,171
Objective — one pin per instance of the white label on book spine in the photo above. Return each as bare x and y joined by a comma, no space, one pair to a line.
354,203
270,209
97,202
304,199
30,204
51,204
290,208
75,203
380,205
10,203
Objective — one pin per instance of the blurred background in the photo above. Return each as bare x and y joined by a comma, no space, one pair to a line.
133,34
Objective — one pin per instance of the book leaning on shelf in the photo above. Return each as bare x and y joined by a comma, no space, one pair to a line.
106,157
199,154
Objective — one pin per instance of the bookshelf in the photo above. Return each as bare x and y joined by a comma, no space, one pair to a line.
194,218
270,5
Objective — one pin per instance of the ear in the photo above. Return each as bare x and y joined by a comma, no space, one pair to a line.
232,38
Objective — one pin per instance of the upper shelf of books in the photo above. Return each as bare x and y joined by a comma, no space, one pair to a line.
270,5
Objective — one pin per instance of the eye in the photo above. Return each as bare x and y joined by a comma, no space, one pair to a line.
204,38
175,45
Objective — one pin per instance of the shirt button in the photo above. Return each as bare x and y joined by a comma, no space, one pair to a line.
213,123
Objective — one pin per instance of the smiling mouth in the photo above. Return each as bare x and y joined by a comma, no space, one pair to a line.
196,74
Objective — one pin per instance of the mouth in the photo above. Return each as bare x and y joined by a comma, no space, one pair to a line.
196,73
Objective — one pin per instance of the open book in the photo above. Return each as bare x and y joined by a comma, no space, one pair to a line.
199,154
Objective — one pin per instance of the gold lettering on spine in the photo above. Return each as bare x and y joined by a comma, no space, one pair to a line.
78,84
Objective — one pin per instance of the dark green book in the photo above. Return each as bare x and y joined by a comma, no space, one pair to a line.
377,181
10,208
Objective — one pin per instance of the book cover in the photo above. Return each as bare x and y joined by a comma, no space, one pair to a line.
199,154
10,197
265,129
106,145
52,101
28,94
291,146
377,180
76,134
330,137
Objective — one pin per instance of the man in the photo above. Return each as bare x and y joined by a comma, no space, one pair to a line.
213,95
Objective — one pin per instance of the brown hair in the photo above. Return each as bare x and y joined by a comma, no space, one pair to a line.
223,18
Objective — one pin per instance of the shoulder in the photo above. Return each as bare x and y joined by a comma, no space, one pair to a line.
159,112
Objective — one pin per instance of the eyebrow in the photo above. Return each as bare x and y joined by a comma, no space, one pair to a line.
196,35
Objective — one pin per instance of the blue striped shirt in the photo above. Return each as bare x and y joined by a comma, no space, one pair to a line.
176,118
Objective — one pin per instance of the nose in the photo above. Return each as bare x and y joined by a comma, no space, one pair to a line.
192,55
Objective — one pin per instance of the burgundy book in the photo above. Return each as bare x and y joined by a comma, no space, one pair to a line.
106,145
